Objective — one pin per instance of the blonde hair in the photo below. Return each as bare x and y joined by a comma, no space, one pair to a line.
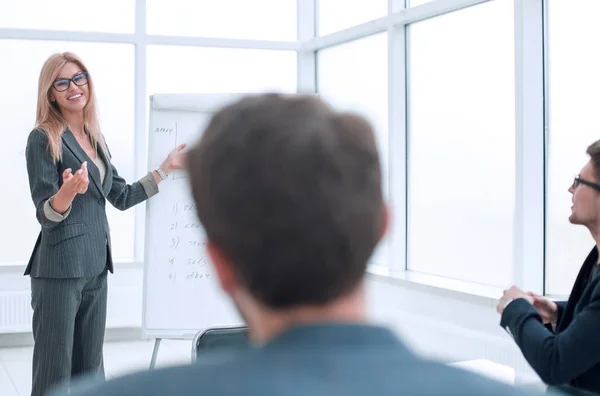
48,116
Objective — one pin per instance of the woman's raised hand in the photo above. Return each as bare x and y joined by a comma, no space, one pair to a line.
76,183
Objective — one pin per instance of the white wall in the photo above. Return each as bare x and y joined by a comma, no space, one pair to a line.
124,300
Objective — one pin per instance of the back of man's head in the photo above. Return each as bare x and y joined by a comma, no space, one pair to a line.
290,191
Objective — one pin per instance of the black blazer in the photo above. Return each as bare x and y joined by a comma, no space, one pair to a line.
572,354
78,246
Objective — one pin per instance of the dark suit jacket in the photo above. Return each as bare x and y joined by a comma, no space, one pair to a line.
572,354
311,360
78,246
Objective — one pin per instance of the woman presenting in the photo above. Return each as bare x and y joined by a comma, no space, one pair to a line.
71,177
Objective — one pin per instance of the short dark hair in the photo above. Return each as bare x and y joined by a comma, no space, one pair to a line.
290,190
593,151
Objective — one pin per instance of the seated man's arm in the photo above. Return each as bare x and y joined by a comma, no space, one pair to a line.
557,358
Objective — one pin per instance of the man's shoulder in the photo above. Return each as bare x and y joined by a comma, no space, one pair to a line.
214,373
265,374
445,379
182,380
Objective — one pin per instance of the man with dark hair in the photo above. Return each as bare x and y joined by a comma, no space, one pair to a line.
289,194
560,339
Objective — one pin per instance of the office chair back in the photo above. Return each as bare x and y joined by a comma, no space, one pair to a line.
225,341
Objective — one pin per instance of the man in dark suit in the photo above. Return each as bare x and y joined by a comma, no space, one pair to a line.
289,194
560,339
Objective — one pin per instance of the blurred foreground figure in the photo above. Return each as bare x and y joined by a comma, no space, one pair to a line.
289,194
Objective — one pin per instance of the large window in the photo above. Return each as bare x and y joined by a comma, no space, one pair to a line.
115,16
215,70
573,86
170,69
114,91
335,15
353,76
229,70
247,19
458,68
461,163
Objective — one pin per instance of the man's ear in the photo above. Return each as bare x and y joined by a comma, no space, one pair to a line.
223,268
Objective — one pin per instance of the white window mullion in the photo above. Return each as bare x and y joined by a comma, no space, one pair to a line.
397,153
65,35
528,263
140,102
307,59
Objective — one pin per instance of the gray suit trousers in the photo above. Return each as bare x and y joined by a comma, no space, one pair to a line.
69,318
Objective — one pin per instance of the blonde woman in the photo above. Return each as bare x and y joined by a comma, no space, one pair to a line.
71,178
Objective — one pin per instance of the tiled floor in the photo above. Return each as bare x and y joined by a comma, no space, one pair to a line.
119,358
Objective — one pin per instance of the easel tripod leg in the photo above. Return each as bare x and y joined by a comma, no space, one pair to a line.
155,353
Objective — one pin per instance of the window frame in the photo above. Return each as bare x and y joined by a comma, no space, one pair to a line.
141,40
531,130
530,139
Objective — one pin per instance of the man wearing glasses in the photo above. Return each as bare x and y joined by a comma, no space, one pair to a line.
560,340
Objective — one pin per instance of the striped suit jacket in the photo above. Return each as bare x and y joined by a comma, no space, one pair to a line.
79,245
